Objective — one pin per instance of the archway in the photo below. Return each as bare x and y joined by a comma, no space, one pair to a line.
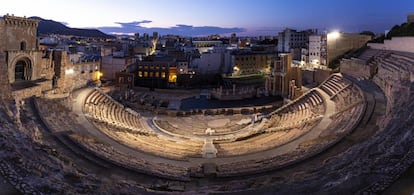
23,70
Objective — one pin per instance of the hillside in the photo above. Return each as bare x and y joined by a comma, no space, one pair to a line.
53,27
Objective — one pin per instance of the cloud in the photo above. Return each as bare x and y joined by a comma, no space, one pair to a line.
179,29
132,24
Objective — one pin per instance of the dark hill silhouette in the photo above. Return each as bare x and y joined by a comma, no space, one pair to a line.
53,27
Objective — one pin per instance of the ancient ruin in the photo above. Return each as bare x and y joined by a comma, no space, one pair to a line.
350,134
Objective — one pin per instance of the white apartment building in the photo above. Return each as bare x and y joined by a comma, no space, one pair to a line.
317,50
292,39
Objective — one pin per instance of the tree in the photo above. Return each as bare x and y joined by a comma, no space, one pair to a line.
405,29
366,32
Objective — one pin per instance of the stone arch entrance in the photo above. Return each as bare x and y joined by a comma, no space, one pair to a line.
23,70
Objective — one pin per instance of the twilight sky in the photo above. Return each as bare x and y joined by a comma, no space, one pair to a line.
199,17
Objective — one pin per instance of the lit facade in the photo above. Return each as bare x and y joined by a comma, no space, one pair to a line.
251,63
317,50
156,74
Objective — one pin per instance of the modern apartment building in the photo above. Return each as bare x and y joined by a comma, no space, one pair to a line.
291,39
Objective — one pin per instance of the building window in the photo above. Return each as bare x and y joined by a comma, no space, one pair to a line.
22,45
163,75
140,73
145,74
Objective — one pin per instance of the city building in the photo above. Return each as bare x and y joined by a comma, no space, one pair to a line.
291,39
317,50
206,45
246,62
182,67
155,72
112,64
210,63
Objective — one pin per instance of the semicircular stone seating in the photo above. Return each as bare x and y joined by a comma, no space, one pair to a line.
103,108
124,125
282,126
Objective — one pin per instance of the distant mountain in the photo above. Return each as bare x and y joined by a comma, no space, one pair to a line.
53,27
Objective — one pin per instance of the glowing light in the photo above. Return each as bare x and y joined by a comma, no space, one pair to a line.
69,71
334,35
172,78
99,75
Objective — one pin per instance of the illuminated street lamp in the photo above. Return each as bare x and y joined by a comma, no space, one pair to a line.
334,35
332,45
236,70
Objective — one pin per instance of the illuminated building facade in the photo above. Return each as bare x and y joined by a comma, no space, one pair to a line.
317,50
251,62
156,74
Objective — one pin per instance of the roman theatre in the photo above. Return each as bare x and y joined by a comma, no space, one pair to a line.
353,133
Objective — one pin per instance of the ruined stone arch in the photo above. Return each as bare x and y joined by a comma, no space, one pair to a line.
23,69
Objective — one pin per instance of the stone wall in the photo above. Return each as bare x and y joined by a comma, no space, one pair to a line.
308,77
236,93
404,44
73,76
321,75
356,68
84,73
4,81
28,92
